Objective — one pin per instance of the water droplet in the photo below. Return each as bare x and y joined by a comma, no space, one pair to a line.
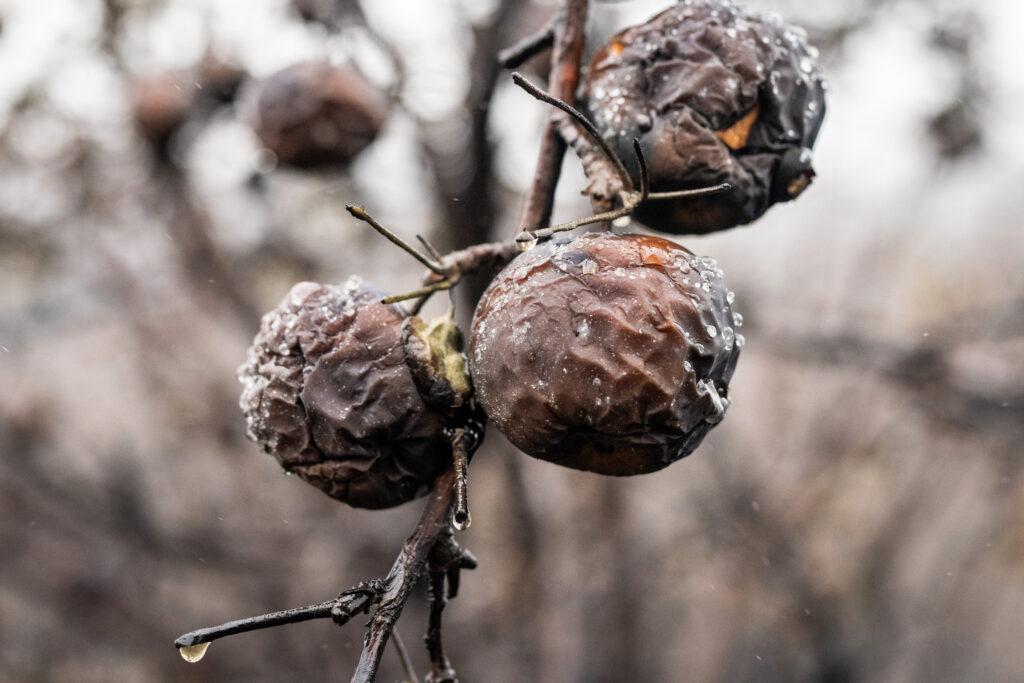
737,320
730,297
460,521
740,341
717,403
193,653
620,271
688,366
526,241
712,331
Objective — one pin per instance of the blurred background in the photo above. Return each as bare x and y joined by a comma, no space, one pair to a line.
859,516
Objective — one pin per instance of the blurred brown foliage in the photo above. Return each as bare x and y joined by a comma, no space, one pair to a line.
858,516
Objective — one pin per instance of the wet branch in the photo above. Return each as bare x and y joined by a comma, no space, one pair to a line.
433,534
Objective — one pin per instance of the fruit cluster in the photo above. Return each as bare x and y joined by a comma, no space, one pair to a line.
605,352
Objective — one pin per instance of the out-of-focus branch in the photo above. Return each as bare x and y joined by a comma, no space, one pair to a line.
833,38
201,258
923,369
532,45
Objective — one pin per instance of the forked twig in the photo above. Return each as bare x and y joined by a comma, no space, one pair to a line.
434,524
444,564
361,213
620,169
630,198
449,276
563,80
390,593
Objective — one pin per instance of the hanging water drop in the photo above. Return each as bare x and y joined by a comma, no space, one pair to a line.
462,520
526,241
193,653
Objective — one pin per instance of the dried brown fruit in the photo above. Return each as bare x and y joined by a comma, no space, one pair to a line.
715,93
328,391
160,106
608,353
315,114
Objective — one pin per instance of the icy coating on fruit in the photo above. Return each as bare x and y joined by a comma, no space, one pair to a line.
608,353
715,93
326,390
315,114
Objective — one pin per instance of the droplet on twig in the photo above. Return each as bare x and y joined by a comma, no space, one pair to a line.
526,241
193,653
461,520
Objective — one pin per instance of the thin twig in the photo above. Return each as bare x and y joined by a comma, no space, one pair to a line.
434,253
423,292
353,601
583,121
645,178
361,213
527,236
404,658
695,192
629,197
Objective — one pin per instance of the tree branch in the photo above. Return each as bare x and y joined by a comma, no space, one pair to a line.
433,525
563,81
924,369
441,670
391,593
